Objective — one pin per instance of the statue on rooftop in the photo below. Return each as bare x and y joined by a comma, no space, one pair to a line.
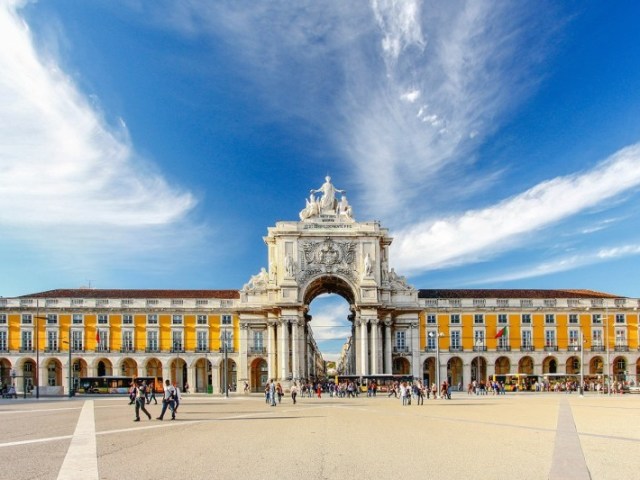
328,200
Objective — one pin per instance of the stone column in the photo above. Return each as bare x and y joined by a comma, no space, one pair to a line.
466,372
388,369
243,355
375,352
416,368
283,348
271,349
191,377
364,344
166,371
295,348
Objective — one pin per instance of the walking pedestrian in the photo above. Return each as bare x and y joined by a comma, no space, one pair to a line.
294,392
272,392
152,393
141,395
168,400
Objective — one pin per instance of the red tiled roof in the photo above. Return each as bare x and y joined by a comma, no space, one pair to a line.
114,293
511,293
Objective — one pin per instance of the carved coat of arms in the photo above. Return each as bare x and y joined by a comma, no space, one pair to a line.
328,256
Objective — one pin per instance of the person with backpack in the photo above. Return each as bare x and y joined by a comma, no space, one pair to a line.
168,400
141,400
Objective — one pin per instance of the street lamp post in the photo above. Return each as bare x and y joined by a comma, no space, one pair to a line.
37,375
70,366
226,363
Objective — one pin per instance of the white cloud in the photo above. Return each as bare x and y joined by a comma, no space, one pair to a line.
62,165
562,264
411,97
479,234
330,322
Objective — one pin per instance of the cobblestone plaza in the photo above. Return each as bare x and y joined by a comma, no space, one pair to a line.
525,435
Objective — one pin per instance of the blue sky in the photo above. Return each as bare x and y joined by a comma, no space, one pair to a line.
151,144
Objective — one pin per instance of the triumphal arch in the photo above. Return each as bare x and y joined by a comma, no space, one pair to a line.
328,251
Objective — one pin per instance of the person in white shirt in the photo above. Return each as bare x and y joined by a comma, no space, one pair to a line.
168,400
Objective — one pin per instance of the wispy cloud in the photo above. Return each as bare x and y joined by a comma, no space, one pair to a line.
405,89
480,234
63,167
561,264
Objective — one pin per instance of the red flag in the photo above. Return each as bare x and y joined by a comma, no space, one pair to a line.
97,336
501,332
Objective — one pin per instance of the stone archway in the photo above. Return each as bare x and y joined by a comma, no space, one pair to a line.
5,371
454,372
596,366
429,371
203,376
619,368
259,375
550,365
53,367
478,369
178,367
104,368
232,375
572,366
153,368
128,368
525,365
503,366
328,251
401,366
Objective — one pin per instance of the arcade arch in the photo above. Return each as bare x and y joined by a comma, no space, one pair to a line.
259,375
525,365
503,366
454,372
203,376
550,365
53,368
478,369
573,366
103,367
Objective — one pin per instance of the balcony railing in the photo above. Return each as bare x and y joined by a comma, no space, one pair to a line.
550,348
202,349
52,350
527,348
177,350
127,350
573,348
597,348
26,350
503,348
479,348
621,348
397,349
229,350
77,350
455,349
257,350
151,350
103,350
430,349
4,350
